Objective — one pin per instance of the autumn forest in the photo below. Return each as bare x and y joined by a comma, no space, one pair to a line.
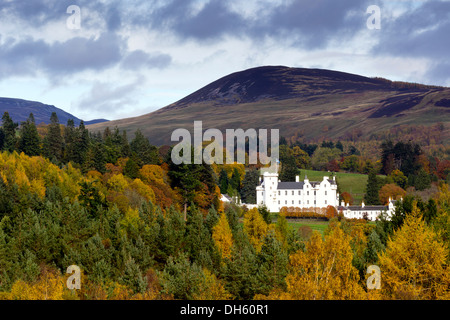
142,228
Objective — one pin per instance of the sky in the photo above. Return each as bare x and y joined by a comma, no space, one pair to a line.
119,59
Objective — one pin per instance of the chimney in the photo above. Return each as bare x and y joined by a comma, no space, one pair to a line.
297,178
342,204
362,205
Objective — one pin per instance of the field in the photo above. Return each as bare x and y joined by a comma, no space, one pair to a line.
316,225
353,183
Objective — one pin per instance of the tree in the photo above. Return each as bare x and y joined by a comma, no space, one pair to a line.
131,169
289,169
223,238
9,130
323,271
390,191
145,152
223,181
415,262
372,190
421,180
272,262
255,227
81,144
29,142
54,139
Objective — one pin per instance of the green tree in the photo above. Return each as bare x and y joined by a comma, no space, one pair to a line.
69,141
249,184
9,130
289,169
145,152
131,169
272,262
372,190
223,181
54,145
29,141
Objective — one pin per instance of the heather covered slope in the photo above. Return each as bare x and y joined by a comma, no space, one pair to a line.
313,103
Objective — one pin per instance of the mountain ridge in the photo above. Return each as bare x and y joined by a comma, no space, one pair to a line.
20,109
310,103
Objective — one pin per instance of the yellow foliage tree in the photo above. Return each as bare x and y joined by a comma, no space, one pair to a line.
49,286
143,189
223,238
211,288
117,183
324,271
256,228
153,174
414,265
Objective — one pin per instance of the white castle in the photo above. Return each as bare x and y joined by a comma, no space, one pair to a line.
275,194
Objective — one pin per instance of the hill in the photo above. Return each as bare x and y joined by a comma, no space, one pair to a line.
312,103
19,110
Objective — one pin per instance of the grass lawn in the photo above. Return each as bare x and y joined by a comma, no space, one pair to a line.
353,183
317,225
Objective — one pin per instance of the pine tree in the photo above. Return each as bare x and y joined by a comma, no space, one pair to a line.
249,184
29,141
81,146
372,189
9,130
145,152
131,169
69,141
54,139
272,262
223,181
289,169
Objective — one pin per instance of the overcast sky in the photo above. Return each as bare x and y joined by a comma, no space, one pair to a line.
128,58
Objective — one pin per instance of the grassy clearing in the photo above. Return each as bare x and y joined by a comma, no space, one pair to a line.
353,183
317,225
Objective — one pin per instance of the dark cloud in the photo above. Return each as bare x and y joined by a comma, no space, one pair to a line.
72,56
314,23
139,59
421,32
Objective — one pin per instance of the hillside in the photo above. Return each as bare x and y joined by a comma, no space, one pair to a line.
19,110
313,103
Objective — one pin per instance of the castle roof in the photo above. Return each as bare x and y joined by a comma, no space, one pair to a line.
290,185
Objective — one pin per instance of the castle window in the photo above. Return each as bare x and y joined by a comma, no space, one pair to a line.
299,201
292,201
299,193
279,192
325,193
325,201
292,192
314,193
307,193
279,201
307,202
285,202
285,193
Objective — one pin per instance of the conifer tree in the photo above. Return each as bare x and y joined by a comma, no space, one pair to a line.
29,141
372,189
81,144
54,139
9,130
249,184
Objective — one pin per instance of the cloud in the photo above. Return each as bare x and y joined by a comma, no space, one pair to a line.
106,98
420,32
69,57
139,59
